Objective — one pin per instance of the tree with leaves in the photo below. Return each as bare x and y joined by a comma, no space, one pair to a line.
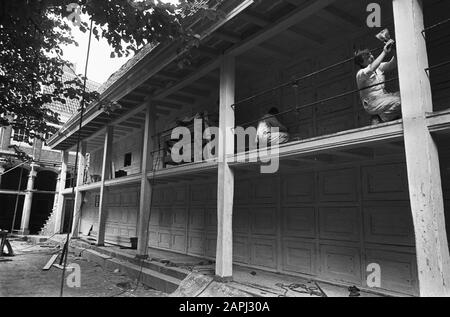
34,32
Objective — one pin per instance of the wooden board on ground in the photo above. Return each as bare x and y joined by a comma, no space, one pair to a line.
61,267
50,262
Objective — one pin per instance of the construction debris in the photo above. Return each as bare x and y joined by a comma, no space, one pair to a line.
354,291
311,288
50,262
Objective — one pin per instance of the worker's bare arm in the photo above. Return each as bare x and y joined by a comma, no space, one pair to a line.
386,50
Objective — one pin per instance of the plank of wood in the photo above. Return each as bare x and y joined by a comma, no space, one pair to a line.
58,266
50,262
61,267
106,175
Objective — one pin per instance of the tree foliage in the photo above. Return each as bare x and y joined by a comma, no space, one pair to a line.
34,32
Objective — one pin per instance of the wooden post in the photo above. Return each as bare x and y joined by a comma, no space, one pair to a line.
422,157
106,175
145,198
60,189
225,188
79,196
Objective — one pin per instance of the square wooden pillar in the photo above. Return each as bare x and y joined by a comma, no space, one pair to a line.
60,189
106,175
225,188
422,157
145,198
79,196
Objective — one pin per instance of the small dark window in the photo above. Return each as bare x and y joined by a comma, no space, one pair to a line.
127,161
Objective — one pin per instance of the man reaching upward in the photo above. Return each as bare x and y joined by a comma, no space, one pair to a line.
376,100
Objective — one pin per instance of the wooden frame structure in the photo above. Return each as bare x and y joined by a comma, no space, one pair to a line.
139,93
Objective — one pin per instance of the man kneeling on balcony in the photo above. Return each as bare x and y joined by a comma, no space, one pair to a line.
264,135
382,105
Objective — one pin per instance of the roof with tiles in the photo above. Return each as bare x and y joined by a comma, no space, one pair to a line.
127,66
141,53
71,106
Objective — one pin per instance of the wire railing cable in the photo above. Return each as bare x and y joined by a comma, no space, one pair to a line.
298,108
432,27
296,81
82,104
440,65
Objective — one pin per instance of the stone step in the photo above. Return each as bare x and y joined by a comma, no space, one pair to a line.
148,277
153,279
153,265
154,275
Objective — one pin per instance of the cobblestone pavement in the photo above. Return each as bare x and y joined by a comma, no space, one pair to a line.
22,275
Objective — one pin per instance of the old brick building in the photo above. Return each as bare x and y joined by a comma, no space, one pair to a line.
27,189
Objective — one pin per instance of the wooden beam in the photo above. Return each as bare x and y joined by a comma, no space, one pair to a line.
120,134
11,192
227,36
439,122
141,93
137,120
150,85
225,188
145,200
62,186
181,99
422,158
254,18
313,39
122,129
261,21
130,125
209,67
195,92
341,18
274,51
284,23
185,169
130,101
167,104
122,118
106,175
207,51
371,135
206,84
79,196
162,111
168,75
